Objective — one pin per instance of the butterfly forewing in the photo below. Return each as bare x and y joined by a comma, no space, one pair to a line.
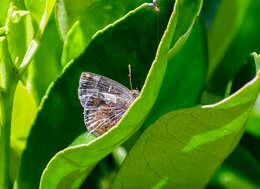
104,102
93,83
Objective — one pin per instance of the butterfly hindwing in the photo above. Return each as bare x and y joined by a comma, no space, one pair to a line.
101,114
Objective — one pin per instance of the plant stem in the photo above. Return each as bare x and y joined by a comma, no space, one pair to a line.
9,79
9,76
6,104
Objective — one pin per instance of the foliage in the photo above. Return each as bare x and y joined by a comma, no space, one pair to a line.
187,129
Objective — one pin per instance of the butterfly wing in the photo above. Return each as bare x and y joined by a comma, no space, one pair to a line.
91,83
101,113
104,101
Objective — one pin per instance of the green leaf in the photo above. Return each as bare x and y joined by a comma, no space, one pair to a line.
209,11
24,111
23,41
36,9
233,175
252,142
186,16
175,92
228,179
75,38
160,184
189,143
40,11
68,12
45,66
34,43
192,71
100,147
20,32
246,73
8,82
4,4
223,29
49,5
87,19
244,42
253,124
254,119
60,119
39,47
94,13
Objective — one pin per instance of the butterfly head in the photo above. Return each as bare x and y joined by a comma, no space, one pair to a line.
135,93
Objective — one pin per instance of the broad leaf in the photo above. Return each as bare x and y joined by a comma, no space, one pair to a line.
60,120
99,148
160,184
97,13
233,175
190,143
183,73
174,91
87,19
86,156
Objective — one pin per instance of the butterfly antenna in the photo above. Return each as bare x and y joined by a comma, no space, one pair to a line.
130,76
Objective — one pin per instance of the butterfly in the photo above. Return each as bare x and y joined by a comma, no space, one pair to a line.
104,101
154,5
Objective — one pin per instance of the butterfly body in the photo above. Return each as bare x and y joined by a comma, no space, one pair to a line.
104,101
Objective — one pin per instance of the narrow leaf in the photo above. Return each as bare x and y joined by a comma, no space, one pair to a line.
4,4
244,42
223,29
